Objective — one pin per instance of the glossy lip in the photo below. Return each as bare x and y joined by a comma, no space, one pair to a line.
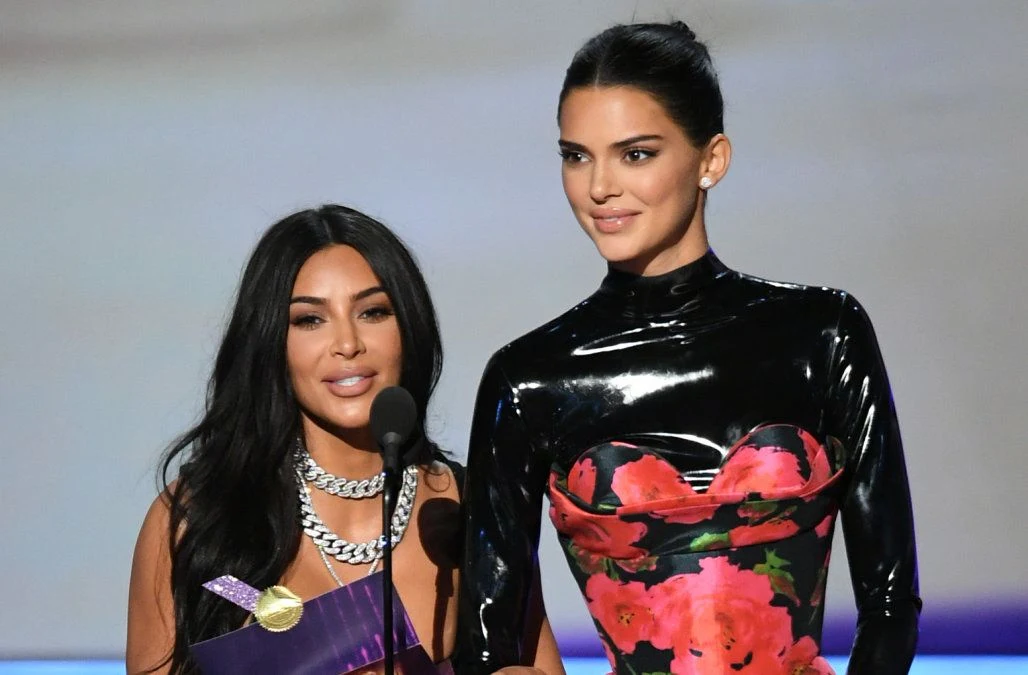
612,212
612,219
347,391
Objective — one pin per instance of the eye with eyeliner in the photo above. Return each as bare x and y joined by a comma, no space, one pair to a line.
377,313
637,155
571,156
306,321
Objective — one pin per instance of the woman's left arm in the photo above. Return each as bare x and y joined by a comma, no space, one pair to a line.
877,519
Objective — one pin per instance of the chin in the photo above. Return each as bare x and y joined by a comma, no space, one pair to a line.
352,422
340,422
617,252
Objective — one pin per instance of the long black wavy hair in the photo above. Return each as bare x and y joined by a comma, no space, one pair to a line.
234,507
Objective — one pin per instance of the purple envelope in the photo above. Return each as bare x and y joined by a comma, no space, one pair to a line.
339,632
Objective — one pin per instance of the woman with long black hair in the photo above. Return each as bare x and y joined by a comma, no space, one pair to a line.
282,470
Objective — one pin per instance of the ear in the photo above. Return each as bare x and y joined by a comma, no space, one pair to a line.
717,155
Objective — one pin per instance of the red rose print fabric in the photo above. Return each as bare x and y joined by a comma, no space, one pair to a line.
726,579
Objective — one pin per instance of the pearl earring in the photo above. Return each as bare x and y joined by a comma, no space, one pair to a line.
706,183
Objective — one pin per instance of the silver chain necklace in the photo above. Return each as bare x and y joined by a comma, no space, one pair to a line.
350,488
329,543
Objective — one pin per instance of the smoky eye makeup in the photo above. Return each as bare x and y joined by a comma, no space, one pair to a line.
634,155
305,320
378,312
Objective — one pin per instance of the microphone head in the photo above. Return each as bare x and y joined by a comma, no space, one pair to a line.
393,416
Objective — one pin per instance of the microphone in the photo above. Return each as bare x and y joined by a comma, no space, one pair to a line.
393,417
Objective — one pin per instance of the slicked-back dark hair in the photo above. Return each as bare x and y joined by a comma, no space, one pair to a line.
666,61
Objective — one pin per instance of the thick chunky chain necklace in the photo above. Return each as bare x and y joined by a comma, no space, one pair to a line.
350,488
331,544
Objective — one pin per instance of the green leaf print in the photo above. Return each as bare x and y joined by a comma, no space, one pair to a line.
819,587
771,562
590,563
782,582
710,540
754,511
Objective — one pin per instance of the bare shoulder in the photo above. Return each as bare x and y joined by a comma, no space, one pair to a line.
441,480
151,625
439,521
158,515
152,544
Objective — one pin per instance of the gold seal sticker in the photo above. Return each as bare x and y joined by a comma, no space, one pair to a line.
278,609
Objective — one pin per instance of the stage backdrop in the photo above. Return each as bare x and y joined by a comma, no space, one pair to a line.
879,147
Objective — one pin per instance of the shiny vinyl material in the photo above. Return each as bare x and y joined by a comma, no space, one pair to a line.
696,358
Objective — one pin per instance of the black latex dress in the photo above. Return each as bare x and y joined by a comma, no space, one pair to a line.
685,365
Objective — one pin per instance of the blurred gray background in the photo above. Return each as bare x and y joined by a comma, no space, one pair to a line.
879,146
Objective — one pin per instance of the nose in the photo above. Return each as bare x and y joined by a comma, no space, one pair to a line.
347,341
603,183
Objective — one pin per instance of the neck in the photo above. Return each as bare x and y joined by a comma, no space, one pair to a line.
354,455
669,294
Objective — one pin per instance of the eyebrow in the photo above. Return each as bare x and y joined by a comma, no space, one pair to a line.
314,300
617,145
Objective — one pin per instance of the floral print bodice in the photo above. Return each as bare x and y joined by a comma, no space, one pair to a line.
729,579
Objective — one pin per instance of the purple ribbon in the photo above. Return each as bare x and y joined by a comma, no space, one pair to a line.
340,631
235,591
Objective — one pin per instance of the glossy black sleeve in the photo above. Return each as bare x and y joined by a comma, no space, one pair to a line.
503,497
877,519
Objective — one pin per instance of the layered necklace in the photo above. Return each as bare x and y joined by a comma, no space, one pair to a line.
327,542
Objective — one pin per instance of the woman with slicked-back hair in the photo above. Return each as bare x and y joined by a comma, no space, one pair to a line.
279,484
696,430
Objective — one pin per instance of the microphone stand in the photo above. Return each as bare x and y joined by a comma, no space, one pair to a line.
391,468
394,415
